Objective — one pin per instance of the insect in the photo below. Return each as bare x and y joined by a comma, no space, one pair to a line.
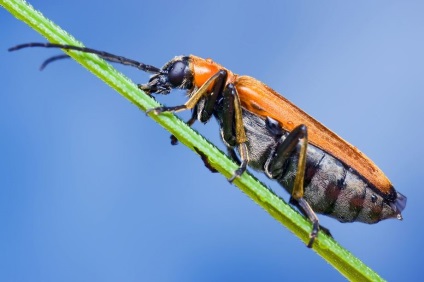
322,172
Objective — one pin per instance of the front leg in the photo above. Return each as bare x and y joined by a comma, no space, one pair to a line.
202,92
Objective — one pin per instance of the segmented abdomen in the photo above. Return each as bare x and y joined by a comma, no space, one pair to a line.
334,189
330,186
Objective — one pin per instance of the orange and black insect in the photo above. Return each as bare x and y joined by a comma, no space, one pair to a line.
322,172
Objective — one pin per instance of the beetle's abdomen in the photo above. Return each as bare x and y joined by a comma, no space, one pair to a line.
330,186
334,189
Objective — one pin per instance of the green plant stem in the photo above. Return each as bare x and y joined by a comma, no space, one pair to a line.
347,264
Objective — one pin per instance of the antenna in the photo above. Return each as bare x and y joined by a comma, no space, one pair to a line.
102,54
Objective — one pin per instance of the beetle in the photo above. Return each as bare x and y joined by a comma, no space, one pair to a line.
322,172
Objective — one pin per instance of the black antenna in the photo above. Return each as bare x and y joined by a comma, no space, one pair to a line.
104,55
52,59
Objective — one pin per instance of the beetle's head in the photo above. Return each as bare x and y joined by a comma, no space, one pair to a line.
174,74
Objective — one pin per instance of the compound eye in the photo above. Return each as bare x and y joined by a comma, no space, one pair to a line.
177,73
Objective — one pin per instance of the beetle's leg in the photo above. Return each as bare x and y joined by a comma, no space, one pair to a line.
209,106
233,155
213,96
275,164
232,128
228,134
323,229
244,161
195,97
205,160
231,152
174,140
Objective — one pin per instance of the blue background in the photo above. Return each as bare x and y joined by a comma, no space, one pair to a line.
92,190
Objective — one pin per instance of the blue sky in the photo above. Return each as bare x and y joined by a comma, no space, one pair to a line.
92,190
